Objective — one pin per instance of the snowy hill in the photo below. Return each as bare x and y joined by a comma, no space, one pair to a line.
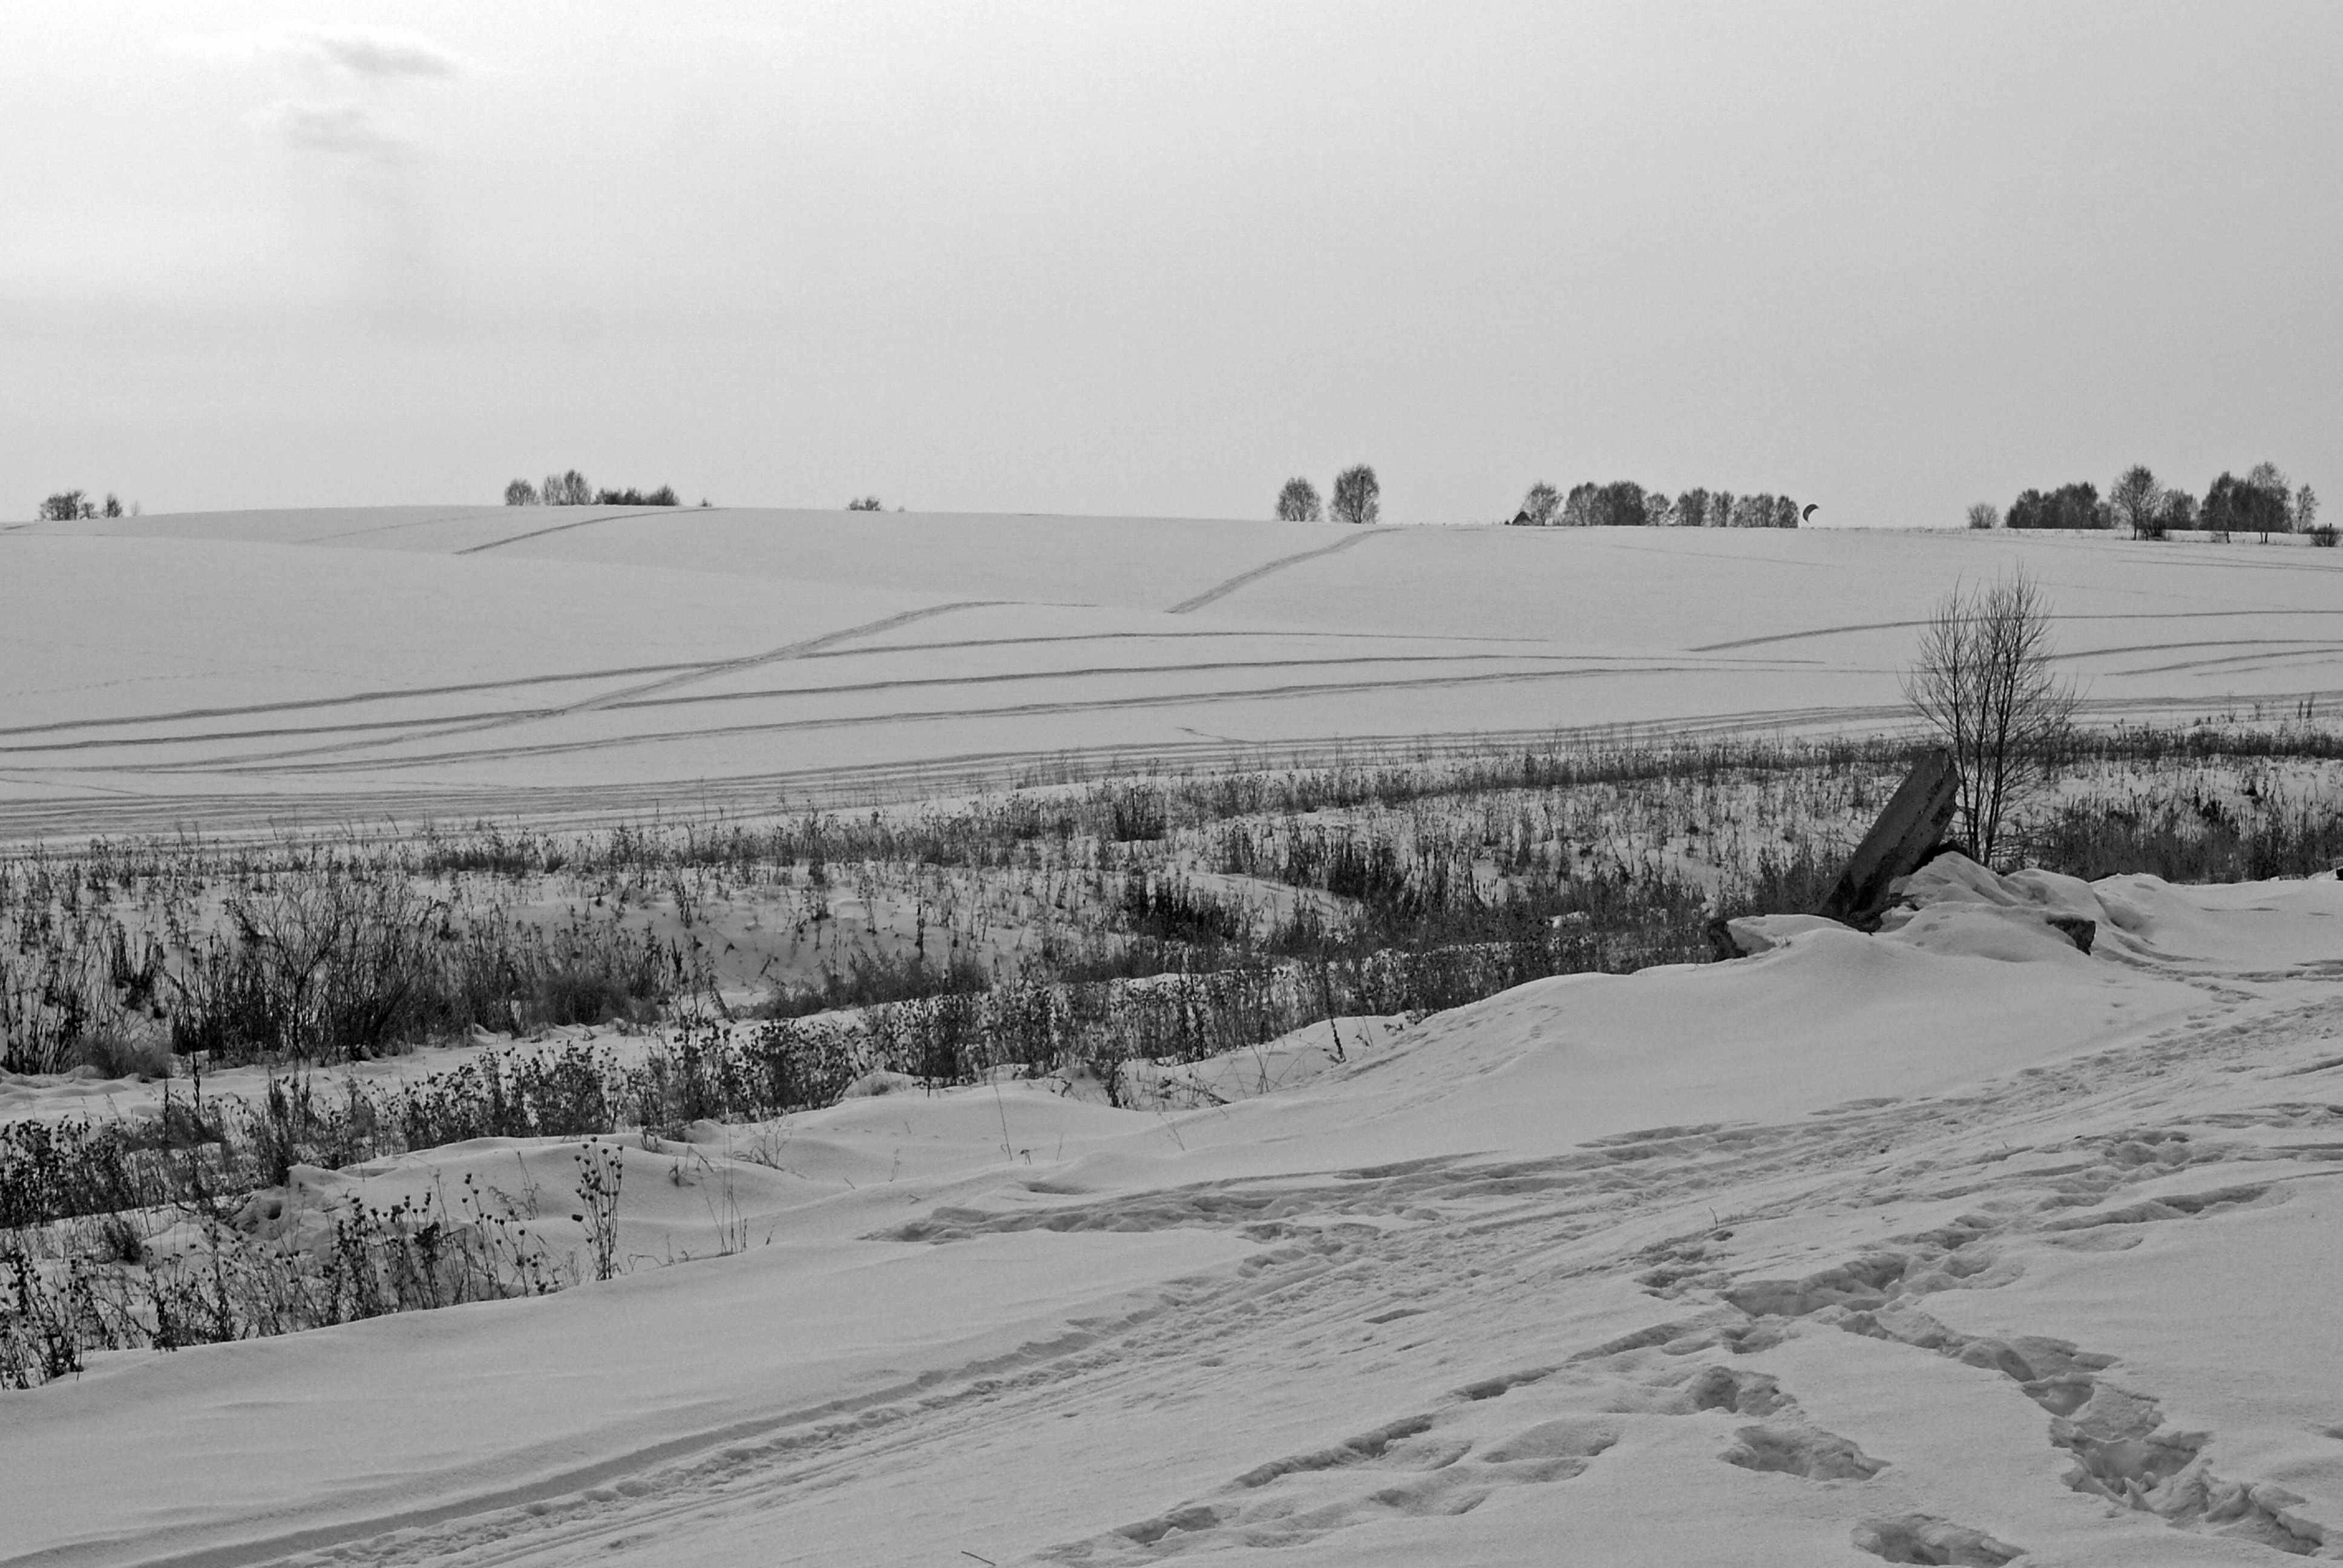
246,668
1949,1245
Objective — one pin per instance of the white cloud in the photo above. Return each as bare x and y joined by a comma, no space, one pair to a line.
350,130
368,54
375,54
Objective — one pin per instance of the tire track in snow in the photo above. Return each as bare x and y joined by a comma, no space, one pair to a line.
1300,692
1884,715
2059,619
1242,578
101,809
620,672
2267,660
310,704
906,683
629,695
585,705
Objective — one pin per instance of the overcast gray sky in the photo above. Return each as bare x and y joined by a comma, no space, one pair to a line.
1153,259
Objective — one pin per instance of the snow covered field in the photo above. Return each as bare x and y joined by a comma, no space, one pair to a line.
241,668
1947,1245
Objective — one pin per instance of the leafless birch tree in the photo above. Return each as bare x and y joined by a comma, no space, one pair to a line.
1983,680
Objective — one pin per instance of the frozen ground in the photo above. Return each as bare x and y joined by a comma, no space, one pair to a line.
243,668
1947,1245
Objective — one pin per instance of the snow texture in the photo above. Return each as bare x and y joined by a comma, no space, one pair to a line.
1951,1244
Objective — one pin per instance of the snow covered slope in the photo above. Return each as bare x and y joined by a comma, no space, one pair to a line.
240,667
1951,1245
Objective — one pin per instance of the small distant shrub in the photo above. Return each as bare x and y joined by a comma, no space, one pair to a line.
662,496
863,504
1137,814
2323,535
122,1050
1985,515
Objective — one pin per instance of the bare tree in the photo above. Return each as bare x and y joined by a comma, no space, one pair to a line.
1985,515
1541,504
1358,499
64,506
1298,502
2139,502
2305,508
520,493
1983,680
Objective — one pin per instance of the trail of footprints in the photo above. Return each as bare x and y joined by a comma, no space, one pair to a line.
1442,1462
1430,1464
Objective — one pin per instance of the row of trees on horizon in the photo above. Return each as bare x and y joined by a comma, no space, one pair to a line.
571,489
2264,502
1624,504
72,506
1358,499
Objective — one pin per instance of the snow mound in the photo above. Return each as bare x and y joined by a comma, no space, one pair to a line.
2254,925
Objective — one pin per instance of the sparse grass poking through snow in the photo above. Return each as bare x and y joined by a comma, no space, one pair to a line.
1109,931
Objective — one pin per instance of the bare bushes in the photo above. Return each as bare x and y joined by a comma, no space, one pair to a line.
333,967
339,968
338,958
2206,836
67,1290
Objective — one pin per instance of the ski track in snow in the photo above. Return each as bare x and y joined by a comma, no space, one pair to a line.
1221,591
1378,1263
556,529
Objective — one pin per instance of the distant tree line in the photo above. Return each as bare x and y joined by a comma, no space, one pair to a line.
2264,502
571,489
1358,499
1624,504
72,506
